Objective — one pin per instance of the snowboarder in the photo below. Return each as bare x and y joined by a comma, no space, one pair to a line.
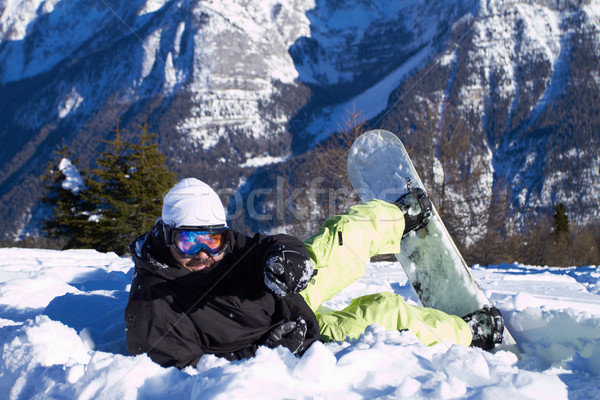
200,287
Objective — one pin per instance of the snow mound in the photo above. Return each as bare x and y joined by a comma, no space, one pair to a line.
63,336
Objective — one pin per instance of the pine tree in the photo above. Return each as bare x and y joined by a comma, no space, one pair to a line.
106,191
126,189
149,180
69,208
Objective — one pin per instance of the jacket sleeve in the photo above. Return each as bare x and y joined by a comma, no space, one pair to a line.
152,327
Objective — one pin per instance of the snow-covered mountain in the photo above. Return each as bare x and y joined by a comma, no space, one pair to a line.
526,81
231,86
511,100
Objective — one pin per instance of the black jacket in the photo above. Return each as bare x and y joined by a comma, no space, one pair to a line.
176,316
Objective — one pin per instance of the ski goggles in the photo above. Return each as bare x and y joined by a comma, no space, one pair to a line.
191,241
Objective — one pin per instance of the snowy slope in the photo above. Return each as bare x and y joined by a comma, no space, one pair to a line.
62,334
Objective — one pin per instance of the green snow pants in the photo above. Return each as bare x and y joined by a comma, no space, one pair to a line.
341,251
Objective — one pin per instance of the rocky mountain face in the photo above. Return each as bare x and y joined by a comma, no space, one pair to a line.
511,105
234,86
214,79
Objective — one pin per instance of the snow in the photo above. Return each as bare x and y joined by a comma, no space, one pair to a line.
152,6
170,79
178,35
260,161
15,18
150,48
62,332
73,180
70,103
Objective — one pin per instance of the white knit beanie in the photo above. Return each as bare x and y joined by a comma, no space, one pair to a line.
192,202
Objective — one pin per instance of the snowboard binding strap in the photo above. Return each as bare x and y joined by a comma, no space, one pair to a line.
417,209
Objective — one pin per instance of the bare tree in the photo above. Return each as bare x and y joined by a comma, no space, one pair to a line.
316,184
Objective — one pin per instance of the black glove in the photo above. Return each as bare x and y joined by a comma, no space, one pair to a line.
288,271
289,334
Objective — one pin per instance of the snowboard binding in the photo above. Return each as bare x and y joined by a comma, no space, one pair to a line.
487,326
417,209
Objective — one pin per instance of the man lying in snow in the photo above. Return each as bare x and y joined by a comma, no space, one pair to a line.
202,288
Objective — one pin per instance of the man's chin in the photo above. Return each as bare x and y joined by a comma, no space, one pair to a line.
196,267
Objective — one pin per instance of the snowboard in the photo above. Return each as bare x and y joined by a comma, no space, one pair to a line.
379,168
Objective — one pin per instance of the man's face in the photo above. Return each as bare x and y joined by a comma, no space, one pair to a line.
199,262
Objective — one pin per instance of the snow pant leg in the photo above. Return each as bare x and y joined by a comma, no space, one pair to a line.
390,311
342,248
341,251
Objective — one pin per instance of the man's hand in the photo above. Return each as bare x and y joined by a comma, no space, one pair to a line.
290,334
288,271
